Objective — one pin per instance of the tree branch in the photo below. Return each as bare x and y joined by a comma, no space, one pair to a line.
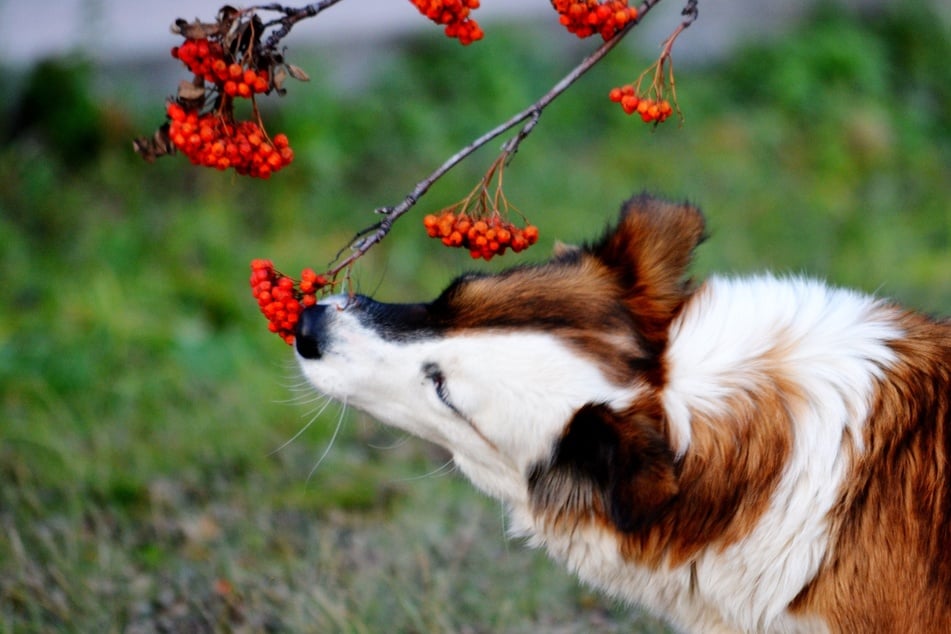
291,17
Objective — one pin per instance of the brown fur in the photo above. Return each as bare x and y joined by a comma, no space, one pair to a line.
890,566
667,509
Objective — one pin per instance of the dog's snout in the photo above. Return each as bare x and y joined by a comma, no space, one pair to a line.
311,335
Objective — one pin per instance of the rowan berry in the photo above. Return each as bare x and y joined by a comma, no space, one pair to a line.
176,112
650,110
200,56
454,15
211,140
482,237
584,18
214,138
281,299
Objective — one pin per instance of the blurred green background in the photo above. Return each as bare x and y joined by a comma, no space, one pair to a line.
151,476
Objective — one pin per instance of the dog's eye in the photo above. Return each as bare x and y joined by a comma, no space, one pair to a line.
434,373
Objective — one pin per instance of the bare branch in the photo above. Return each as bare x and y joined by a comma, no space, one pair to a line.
291,17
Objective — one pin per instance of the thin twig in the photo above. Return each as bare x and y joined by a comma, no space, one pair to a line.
372,235
291,17
690,12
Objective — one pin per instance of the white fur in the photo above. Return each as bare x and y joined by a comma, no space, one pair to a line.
516,392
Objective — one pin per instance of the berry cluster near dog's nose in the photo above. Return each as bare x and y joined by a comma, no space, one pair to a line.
281,299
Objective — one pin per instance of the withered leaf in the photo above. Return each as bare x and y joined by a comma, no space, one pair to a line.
297,72
227,14
280,75
194,30
189,91
158,145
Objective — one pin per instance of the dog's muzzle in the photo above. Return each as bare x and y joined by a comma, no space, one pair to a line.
311,333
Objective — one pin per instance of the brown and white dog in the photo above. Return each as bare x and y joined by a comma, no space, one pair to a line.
746,455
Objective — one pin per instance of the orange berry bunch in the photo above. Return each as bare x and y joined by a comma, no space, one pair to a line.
229,61
201,56
454,14
483,237
210,140
215,139
282,300
207,60
584,18
650,110
243,82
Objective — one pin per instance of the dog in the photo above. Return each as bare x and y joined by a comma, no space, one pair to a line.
761,454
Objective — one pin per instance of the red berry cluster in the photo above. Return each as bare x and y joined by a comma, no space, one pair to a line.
207,60
243,82
454,14
215,139
200,56
209,140
484,238
587,17
650,110
280,299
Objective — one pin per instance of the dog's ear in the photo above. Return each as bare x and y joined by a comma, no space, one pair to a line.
649,250
616,465
564,250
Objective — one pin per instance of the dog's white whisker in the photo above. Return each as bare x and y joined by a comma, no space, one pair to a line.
503,522
399,442
442,470
299,384
315,397
304,398
313,415
330,444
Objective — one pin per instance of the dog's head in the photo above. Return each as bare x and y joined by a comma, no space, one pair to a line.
541,373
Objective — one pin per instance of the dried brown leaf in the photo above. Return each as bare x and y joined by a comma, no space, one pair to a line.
158,145
194,30
279,77
297,72
190,91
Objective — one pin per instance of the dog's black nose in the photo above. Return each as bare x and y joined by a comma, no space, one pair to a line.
311,334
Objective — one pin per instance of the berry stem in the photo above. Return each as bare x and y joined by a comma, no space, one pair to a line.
690,12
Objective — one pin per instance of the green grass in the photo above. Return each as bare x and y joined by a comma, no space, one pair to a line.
144,409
